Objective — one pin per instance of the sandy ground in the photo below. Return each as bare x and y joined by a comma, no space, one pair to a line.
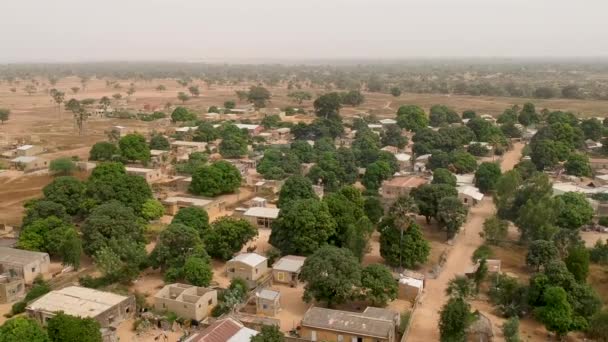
591,238
426,317
126,334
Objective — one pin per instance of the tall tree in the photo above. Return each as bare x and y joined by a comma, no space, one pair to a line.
455,317
451,214
66,328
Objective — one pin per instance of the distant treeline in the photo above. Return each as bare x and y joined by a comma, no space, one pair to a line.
586,79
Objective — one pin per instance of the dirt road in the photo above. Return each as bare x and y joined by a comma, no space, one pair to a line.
426,318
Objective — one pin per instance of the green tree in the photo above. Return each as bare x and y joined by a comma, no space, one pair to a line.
67,191
295,188
495,230
152,209
469,114
4,114
259,96
461,287
328,106
353,98
375,173
392,136
22,329
428,196
598,326
441,115
193,217
577,262
408,250
182,97
412,118
104,151
395,91
218,178
540,253
62,166
332,275
510,330
269,333
462,162
206,132
378,285
487,176
480,274
575,212
227,236
277,163
66,328
229,105
578,165
194,91
592,128
451,214
556,314
49,235
181,114
302,227
443,176
300,96
159,142
233,146
198,271
373,209
134,147
304,151
455,317
41,209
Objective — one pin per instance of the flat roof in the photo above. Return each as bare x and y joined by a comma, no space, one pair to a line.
24,159
406,181
251,259
412,282
470,191
289,263
403,157
19,256
193,200
25,147
77,301
188,143
268,294
271,213
137,169
351,322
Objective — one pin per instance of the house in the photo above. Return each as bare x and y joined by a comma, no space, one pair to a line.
12,288
398,186
469,195
386,122
186,129
598,163
28,150
404,160
410,288
281,133
109,309
268,302
120,131
25,264
224,330
268,185
320,324
185,148
187,301
174,203
287,269
247,266
492,264
465,179
159,156
150,175
261,217
27,163
592,145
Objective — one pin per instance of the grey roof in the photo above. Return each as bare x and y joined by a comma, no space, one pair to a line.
77,301
24,159
251,259
349,322
268,294
379,313
289,263
19,256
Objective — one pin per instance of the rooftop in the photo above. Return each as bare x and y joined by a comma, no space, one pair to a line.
403,157
289,263
388,121
77,301
188,143
24,159
352,322
199,202
406,181
138,169
219,331
19,256
271,213
251,259
268,294
24,147
470,191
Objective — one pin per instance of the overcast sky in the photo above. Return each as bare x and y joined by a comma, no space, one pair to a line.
85,30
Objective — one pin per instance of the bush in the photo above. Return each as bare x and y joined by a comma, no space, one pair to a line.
18,308
482,252
603,221
405,321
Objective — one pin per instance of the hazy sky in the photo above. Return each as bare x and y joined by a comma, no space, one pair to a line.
75,30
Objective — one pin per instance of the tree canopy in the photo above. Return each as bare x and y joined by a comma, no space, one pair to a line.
218,178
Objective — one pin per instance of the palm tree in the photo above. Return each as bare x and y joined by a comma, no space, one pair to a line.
404,210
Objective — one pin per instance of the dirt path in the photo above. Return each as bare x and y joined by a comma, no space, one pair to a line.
426,318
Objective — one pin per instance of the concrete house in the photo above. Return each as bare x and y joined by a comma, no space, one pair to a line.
598,163
268,302
150,175
174,203
27,163
469,195
109,309
12,288
248,266
320,324
261,217
29,150
287,269
25,264
399,186
187,301
224,330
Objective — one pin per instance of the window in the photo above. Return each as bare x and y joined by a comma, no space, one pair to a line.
264,306
210,302
33,269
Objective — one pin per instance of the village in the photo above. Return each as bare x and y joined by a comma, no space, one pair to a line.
322,220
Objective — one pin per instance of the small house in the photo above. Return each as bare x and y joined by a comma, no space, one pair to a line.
174,203
25,264
598,163
12,288
261,217
247,266
227,329
399,186
287,269
469,195
150,175
27,163
29,150
386,122
187,301
268,302
410,288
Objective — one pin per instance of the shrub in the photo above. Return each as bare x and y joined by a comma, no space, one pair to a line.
482,252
